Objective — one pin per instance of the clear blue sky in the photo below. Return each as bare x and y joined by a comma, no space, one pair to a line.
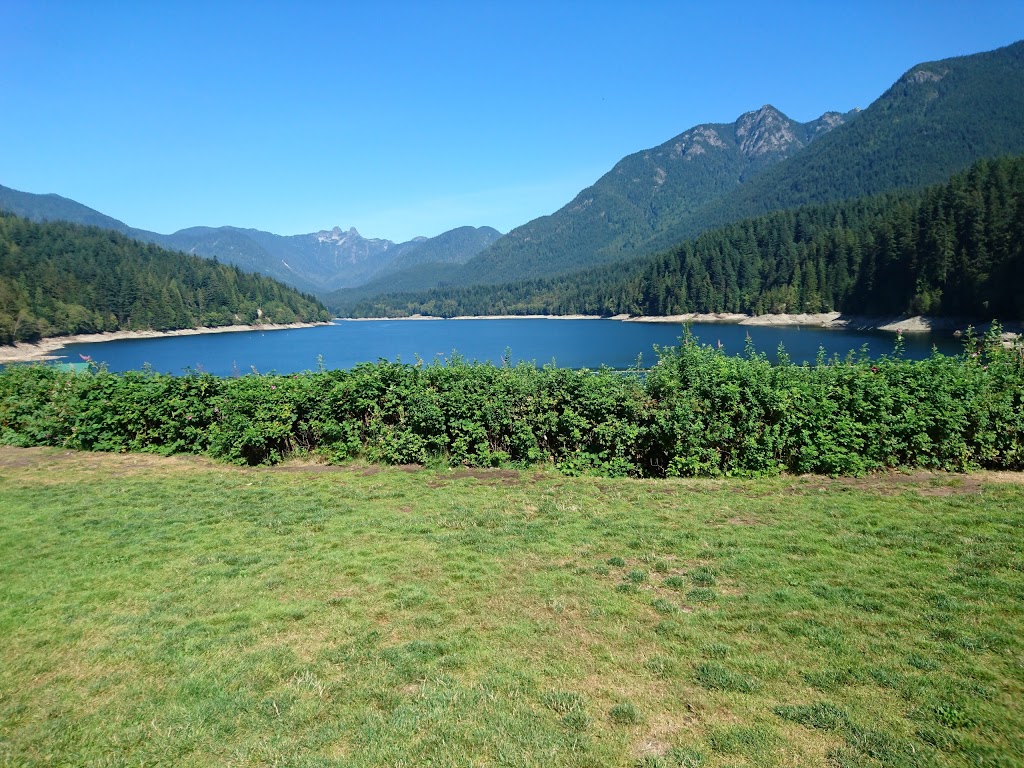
406,119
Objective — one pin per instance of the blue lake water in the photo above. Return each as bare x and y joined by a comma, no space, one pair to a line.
566,343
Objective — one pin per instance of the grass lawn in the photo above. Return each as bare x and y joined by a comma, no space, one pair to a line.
175,612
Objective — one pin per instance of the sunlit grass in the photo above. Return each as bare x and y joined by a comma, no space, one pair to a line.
175,612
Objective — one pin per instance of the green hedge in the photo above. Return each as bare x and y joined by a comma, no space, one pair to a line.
696,412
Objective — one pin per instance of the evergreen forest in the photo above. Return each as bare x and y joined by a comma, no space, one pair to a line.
955,249
58,278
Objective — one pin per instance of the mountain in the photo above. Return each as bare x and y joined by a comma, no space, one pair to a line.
644,192
318,262
323,261
315,262
955,249
55,208
429,262
935,120
58,278
456,246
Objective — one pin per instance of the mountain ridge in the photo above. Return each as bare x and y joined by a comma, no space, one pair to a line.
954,249
935,120
625,204
316,262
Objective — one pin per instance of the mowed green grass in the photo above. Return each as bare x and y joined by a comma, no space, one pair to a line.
174,612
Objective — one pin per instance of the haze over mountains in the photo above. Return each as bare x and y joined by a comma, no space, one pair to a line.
935,120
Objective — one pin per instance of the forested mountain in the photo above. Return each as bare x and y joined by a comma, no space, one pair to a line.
955,249
433,260
55,208
628,205
634,200
318,262
58,278
315,262
457,246
935,120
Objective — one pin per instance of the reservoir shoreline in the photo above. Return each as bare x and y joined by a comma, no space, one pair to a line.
48,348
827,320
45,349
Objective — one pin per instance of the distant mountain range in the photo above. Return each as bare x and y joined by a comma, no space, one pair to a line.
613,219
953,250
648,191
59,278
937,119
318,262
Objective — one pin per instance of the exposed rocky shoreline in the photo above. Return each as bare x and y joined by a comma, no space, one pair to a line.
834,320
45,348
917,324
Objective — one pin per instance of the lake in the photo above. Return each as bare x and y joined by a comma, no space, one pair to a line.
566,343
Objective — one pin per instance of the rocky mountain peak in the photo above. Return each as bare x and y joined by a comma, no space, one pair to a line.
695,141
918,76
825,123
765,131
831,119
338,235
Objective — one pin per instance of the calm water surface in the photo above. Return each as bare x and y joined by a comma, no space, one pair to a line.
566,343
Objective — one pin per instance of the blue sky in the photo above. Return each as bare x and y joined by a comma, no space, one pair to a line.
406,119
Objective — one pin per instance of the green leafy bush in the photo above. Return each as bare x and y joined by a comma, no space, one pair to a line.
696,412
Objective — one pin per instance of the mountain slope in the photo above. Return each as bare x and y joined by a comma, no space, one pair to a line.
58,278
314,262
318,262
937,119
456,246
55,208
646,191
956,249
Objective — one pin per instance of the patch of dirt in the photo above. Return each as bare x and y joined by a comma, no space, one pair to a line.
743,520
16,458
115,464
925,483
489,476
652,747
310,467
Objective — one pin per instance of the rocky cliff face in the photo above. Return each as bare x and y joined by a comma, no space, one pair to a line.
766,131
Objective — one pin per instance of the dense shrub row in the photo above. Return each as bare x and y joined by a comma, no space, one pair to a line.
697,412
